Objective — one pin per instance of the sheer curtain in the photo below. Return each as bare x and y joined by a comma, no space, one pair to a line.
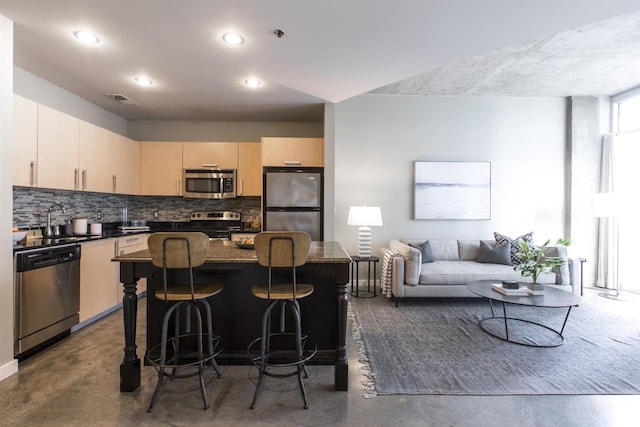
607,236
620,173
627,153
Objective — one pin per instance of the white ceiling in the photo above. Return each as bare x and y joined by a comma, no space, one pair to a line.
332,50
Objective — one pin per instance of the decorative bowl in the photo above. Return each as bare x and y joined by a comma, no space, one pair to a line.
18,235
244,245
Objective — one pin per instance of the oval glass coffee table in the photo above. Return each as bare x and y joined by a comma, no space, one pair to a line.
552,298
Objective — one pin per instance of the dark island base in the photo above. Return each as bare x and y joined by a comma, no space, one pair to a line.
237,315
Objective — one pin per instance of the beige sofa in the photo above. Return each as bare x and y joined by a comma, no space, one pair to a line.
456,264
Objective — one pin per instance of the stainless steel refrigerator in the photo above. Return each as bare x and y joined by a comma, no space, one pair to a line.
293,199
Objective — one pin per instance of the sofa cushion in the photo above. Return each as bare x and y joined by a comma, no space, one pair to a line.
468,250
412,260
463,272
425,251
515,247
500,254
445,249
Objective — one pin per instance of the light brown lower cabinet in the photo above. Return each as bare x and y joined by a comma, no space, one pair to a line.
99,286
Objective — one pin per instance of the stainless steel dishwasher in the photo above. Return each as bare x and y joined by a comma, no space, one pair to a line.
47,295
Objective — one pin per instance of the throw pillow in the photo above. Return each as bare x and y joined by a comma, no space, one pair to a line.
425,251
515,247
501,254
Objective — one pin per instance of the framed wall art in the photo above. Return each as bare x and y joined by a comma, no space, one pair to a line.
452,190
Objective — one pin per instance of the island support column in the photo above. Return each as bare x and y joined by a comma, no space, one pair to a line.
341,373
130,366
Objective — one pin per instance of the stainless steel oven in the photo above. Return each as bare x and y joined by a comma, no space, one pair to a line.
210,183
216,224
46,296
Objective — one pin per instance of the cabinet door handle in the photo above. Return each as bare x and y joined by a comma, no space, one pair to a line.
32,173
114,183
241,192
76,179
84,179
178,186
292,162
209,165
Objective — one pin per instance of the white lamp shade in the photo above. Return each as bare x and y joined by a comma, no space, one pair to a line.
364,215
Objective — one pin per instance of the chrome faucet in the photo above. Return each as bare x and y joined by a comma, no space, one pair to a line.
48,230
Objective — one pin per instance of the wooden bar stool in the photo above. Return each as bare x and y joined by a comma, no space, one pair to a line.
178,254
283,251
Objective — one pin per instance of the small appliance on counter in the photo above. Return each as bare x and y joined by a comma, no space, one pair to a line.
134,226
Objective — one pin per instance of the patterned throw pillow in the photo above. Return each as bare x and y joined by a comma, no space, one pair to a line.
515,247
501,254
425,250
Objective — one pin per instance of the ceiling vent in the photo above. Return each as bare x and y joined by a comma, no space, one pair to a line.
122,99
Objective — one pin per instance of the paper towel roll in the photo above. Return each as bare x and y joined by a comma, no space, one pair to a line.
96,229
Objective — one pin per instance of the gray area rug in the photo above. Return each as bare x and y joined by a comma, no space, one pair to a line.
435,346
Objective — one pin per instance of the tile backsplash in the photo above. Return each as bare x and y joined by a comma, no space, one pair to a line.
30,207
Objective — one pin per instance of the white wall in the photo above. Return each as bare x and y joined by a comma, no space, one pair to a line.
44,92
378,137
154,130
8,365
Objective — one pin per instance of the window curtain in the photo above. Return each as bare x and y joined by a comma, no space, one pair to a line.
607,226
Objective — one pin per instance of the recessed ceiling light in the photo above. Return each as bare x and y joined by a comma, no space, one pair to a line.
233,38
143,81
252,82
86,37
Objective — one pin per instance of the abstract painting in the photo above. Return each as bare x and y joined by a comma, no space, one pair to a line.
452,190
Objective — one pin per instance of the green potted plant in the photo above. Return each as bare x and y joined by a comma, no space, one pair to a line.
533,262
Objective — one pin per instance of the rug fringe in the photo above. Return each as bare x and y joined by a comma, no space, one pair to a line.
368,385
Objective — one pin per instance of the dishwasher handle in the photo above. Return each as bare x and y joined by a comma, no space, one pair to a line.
33,260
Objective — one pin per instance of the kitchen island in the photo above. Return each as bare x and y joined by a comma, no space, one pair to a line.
237,315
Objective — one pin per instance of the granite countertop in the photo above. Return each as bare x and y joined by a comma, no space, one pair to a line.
224,251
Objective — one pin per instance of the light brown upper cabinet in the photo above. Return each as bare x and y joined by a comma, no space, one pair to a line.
95,161
25,141
54,150
160,168
58,150
215,155
107,161
125,164
292,152
249,169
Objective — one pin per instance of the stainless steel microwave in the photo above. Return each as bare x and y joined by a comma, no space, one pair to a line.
209,183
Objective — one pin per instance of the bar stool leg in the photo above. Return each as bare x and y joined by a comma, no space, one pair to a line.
264,351
163,356
300,366
209,318
201,365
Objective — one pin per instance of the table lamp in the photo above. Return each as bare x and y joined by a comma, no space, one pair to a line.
365,217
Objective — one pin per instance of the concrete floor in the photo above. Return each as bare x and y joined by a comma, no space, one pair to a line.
76,383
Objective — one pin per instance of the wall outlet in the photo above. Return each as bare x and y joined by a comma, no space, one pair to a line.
155,214
99,215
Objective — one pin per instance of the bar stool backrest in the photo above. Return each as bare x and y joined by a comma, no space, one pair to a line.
178,250
282,248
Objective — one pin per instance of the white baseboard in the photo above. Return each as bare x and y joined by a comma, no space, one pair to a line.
8,369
